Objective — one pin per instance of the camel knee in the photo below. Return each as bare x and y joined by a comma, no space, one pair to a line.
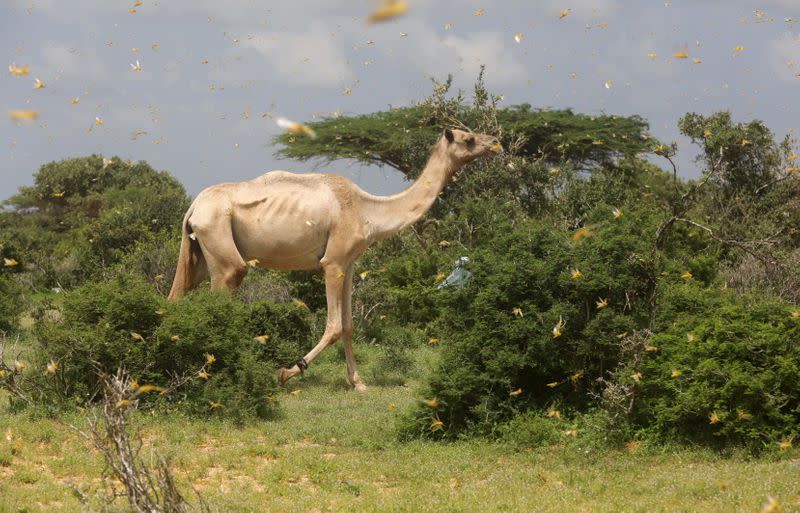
234,276
228,279
347,333
332,334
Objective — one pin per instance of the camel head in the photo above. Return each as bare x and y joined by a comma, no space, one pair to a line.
464,147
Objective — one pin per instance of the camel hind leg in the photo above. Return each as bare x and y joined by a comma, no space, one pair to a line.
199,269
223,262
347,331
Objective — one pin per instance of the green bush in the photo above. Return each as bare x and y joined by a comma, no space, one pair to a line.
82,216
309,287
532,429
394,362
10,304
726,370
205,342
265,285
720,368
153,257
288,326
499,352
242,377
94,327
500,358
586,431
398,284
410,283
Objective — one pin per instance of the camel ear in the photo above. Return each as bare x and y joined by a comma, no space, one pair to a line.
448,134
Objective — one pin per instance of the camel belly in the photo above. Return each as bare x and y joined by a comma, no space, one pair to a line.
292,244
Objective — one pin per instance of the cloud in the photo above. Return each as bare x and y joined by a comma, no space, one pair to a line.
583,9
59,57
784,56
310,58
240,12
294,58
486,48
436,56
69,62
780,3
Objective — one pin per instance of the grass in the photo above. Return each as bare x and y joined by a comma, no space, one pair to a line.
336,450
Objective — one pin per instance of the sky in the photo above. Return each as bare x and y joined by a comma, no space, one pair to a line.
215,74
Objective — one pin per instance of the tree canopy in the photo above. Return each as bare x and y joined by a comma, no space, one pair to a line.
400,137
83,213
743,156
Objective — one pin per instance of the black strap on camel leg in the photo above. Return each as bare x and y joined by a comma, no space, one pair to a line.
302,364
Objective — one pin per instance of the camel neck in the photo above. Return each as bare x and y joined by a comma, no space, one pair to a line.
387,215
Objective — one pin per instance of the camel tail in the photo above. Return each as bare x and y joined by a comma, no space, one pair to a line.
190,258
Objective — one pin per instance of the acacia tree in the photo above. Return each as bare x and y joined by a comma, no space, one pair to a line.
536,140
400,137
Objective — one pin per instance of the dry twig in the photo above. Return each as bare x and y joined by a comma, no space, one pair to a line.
149,488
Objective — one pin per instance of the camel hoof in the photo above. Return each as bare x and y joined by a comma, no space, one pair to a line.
360,387
283,376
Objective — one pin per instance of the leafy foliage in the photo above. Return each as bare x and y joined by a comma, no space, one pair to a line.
564,136
82,215
10,303
751,198
725,372
498,331
400,137
746,154
529,332
203,347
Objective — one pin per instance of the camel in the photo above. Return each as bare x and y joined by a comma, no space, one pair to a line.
322,222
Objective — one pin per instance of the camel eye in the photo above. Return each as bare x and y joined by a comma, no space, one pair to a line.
470,141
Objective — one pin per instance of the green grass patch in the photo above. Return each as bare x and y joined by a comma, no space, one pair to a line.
333,449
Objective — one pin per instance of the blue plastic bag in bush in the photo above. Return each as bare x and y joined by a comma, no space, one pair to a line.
459,276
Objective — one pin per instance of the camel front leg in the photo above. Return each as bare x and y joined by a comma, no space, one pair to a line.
333,326
347,331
